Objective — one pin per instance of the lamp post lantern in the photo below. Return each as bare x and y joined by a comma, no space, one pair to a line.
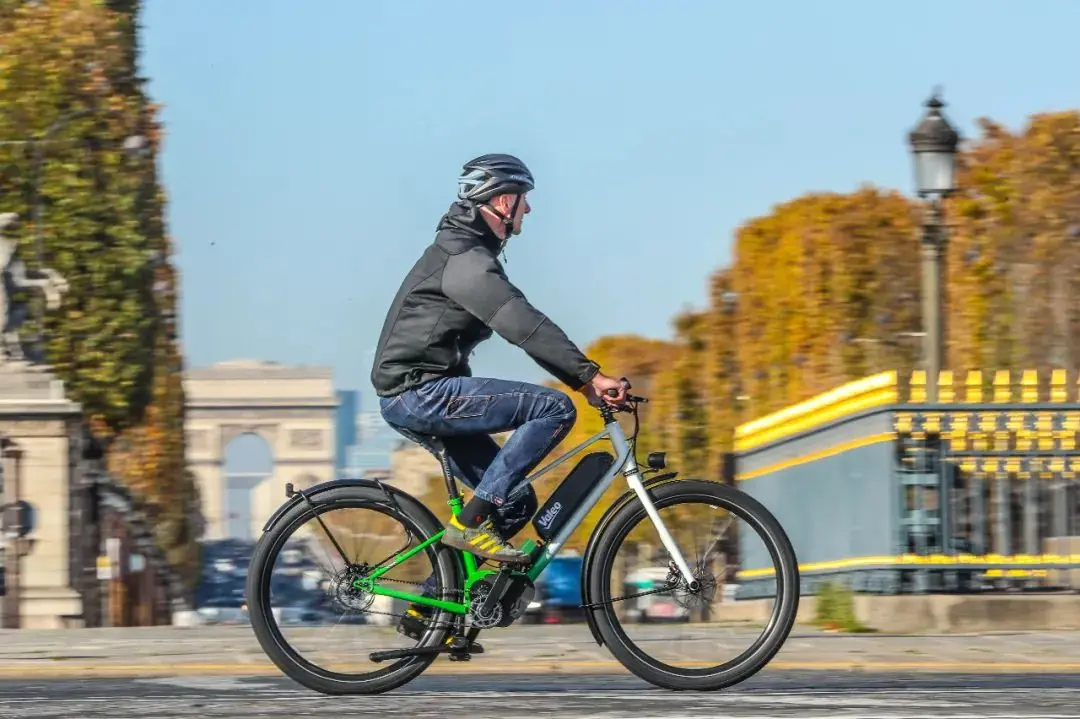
933,145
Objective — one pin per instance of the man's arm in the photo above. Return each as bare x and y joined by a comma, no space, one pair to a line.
477,283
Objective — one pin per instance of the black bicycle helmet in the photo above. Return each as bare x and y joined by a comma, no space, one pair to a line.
490,175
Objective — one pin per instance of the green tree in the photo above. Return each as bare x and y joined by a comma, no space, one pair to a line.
70,65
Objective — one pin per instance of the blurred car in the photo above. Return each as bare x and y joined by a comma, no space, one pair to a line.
558,592
652,607
223,610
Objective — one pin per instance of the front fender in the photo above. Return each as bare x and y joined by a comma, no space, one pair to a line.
589,556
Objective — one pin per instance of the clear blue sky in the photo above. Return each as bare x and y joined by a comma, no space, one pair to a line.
311,147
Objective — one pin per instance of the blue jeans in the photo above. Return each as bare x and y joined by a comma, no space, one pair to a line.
463,411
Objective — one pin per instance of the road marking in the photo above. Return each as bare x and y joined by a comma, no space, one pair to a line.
851,703
211,683
39,669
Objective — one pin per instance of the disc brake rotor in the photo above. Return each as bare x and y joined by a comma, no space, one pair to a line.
342,591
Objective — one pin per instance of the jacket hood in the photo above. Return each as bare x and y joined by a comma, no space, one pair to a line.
466,218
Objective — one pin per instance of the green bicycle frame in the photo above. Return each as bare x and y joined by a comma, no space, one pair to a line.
625,463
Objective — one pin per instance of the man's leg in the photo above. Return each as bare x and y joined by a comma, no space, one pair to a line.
470,459
466,406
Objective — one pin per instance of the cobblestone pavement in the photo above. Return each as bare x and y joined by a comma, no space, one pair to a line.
221,651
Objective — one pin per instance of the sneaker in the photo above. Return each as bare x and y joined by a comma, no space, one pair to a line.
483,541
414,623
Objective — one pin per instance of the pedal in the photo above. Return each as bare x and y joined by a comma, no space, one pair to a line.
412,627
518,564
461,649
465,645
411,630
534,551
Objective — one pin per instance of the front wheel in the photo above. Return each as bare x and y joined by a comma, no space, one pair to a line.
639,595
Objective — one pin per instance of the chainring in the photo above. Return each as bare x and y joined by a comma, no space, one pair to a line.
477,616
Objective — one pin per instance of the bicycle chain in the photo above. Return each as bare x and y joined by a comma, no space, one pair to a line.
452,592
461,593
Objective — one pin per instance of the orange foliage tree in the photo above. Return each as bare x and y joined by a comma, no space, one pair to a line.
826,288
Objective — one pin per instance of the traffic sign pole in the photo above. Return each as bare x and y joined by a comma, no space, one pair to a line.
10,458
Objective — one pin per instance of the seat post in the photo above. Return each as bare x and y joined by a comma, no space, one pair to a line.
448,476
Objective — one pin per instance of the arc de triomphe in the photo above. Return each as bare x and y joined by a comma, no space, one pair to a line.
292,408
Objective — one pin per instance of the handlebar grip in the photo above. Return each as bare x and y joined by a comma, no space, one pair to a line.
615,393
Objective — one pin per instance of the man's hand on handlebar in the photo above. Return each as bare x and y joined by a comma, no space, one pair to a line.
607,389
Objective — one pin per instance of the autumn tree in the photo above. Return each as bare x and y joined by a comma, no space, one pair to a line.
721,381
69,84
826,290
1013,258
679,413
640,359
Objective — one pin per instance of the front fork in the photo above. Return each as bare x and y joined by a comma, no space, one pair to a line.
633,478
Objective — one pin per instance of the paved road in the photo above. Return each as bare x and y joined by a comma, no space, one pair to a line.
773,694
565,649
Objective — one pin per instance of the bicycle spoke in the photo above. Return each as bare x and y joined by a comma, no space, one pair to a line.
345,623
678,631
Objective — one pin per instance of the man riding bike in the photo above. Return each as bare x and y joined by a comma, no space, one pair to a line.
455,297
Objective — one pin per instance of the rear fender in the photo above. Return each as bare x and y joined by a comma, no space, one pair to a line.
392,494
589,557
404,501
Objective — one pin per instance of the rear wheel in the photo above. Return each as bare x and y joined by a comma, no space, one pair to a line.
302,585
707,619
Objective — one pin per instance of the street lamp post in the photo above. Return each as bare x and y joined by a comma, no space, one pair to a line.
10,473
933,145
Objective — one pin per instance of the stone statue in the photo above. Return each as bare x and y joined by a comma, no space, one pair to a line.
14,276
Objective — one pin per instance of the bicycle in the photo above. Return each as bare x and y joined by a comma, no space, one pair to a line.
469,598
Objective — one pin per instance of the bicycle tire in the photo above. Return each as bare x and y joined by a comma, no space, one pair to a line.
785,609
413,516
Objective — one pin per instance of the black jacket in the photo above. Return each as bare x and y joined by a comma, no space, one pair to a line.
456,294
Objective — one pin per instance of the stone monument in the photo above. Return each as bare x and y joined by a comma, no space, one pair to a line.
38,423
15,276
